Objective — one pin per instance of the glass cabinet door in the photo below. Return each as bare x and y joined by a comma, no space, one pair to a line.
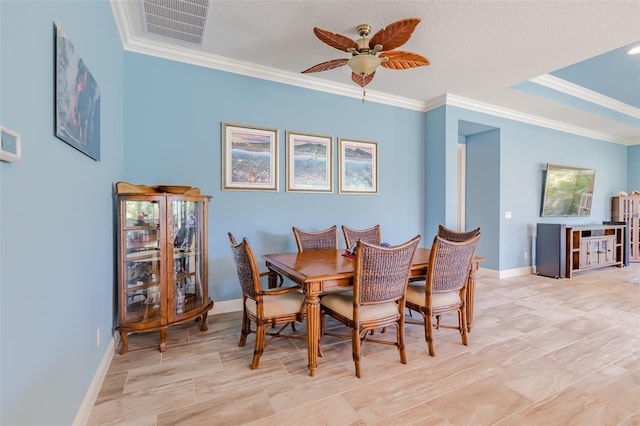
141,242
162,259
187,255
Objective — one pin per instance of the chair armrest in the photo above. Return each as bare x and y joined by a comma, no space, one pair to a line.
279,290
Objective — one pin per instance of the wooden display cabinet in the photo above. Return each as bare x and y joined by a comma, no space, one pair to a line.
595,246
162,259
627,209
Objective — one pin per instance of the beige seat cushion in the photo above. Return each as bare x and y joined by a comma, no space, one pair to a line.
342,303
416,294
278,304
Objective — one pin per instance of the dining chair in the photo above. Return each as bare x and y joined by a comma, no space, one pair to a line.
444,288
282,305
451,235
378,297
326,239
370,235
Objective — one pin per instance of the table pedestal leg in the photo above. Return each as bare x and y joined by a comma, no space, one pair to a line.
313,331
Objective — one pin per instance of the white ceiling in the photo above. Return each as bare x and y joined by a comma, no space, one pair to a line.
479,51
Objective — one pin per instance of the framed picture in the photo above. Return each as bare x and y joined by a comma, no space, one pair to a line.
358,167
10,148
309,162
249,158
77,100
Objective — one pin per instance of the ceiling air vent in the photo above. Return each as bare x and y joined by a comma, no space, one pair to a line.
179,19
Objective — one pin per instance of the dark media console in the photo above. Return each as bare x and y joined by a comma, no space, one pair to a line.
551,246
563,250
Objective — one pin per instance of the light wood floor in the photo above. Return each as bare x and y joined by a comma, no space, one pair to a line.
542,352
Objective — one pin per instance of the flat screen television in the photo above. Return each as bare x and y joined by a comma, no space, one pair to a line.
567,191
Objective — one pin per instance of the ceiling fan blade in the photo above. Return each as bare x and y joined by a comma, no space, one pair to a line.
337,41
395,35
360,80
326,66
400,60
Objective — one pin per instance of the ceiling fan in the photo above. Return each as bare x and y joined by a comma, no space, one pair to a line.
368,53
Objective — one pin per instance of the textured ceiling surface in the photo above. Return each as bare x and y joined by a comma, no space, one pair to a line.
479,51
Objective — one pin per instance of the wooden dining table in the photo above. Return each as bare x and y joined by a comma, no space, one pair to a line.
323,271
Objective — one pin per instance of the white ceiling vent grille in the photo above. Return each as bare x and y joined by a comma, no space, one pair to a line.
179,19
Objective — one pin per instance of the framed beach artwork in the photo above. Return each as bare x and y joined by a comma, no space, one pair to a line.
309,162
77,99
358,167
249,158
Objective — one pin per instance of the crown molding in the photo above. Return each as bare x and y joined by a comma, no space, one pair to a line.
208,60
221,63
122,20
459,101
436,102
571,89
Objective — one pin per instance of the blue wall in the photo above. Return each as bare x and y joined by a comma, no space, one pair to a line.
174,113
56,215
524,150
482,203
161,124
435,192
633,167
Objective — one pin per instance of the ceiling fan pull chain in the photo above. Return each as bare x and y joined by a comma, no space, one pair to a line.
364,91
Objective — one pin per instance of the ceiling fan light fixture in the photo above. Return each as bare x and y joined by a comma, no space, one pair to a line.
364,64
367,54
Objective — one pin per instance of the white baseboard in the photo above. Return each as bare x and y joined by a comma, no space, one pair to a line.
507,273
516,272
234,305
82,416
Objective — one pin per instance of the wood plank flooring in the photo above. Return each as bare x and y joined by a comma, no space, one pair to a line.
542,352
